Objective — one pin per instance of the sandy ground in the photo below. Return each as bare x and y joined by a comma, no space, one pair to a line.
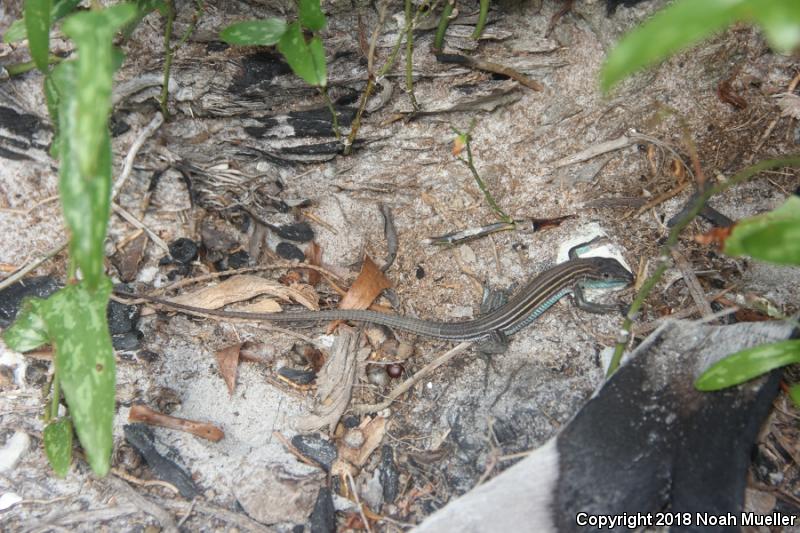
449,431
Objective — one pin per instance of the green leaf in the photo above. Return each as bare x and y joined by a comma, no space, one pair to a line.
61,8
37,24
780,20
307,60
747,364
310,14
92,32
686,22
52,99
671,29
85,198
794,394
84,361
254,32
57,438
29,331
773,236
15,32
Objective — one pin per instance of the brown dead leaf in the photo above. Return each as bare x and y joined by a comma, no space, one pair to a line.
244,287
714,236
365,289
142,413
678,170
128,259
261,306
228,360
790,105
458,145
313,257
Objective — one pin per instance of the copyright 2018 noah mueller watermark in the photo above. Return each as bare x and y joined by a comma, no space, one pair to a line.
667,519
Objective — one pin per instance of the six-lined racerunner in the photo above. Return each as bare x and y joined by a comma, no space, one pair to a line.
569,277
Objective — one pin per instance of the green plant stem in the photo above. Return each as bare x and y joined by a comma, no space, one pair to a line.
329,103
409,56
21,68
672,239
55,392
484,12
482,186
356,125
444,21
167,58
169,51
409,25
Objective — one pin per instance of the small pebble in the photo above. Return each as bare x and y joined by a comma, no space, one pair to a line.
354,438
376,335
394,370
405,350
289,251
14,449
376,375
319,450
238,259
183,250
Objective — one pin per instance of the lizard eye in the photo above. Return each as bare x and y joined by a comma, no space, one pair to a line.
606,275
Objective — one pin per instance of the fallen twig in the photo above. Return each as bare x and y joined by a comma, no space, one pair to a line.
410,382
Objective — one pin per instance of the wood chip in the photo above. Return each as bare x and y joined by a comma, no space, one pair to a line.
142,413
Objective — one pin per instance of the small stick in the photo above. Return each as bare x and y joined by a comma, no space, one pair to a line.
692,284
135,222
19,274
127,167
488,66
410,382
142,413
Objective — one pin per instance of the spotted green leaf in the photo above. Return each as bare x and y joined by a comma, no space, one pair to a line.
84,361
265,32
307,60
29,331
60,8
685,22
85,198
92,32
773,236
747,364
57,437
310,14
37,24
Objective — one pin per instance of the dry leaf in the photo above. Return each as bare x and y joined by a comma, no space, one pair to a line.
261,306
790,105
714,236
365,289
228,360
245,287
458,145
142,413
313,257
128,259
